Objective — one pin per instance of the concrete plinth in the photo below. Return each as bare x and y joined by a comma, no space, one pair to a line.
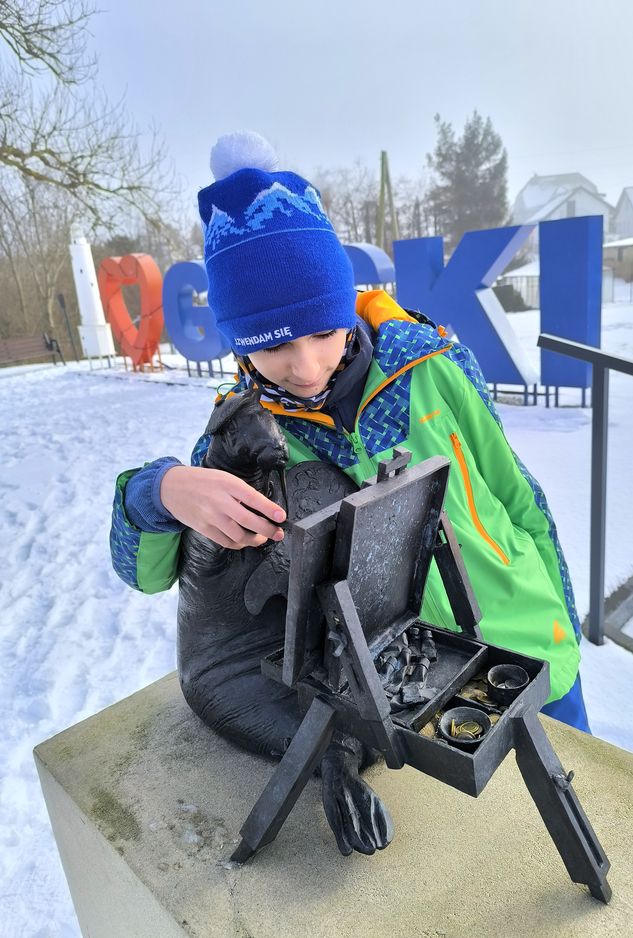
146,804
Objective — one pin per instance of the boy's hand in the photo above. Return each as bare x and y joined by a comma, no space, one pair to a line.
217,505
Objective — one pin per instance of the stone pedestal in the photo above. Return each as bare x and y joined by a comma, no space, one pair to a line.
146,804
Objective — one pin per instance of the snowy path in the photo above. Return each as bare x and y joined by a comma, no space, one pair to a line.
75,639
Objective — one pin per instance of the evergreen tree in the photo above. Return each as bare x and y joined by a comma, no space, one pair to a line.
469,188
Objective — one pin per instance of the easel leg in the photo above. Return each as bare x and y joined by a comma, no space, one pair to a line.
450,563
288,781
559,807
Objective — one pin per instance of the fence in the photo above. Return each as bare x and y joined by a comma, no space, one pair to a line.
601,363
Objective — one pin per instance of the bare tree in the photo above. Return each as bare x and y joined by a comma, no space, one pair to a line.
35,227
409,200
36,223
56,128
350,198
86,148
48,35
66,155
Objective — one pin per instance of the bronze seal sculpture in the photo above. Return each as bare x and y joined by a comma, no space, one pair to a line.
231,614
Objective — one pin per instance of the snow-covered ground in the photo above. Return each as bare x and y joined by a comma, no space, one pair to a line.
75,639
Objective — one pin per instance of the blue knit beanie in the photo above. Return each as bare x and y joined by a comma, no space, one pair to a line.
276,269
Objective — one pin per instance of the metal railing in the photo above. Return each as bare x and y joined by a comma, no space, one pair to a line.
602,363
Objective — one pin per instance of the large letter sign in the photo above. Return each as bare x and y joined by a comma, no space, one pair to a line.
459,295
185,321
138,344
419,263
571,294
371,264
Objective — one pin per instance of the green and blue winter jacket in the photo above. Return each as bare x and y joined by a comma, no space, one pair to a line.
428,394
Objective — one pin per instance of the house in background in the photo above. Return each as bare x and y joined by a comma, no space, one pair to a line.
618,257
526,282
566,195
618,253
623,215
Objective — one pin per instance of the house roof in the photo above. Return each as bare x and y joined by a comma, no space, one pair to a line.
621,243
627,193
544,194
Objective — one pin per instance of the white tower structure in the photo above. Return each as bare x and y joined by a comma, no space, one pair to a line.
94,331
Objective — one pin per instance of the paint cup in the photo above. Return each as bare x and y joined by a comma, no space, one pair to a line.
467,718
505,682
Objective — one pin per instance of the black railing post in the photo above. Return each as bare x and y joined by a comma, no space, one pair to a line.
599,435
601,363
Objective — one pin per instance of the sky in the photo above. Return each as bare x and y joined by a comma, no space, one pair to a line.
332,82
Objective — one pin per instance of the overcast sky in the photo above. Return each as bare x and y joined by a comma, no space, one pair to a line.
332,81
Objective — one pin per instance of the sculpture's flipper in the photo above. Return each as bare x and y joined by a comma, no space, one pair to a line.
269,579
355,814
358,818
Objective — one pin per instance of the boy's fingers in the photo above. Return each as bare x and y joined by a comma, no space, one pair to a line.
249,538
253,522
218,538
222,541
242,538
254,499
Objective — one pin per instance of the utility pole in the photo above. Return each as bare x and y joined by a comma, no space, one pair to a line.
386,193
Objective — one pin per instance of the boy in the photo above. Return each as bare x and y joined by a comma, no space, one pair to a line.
348,378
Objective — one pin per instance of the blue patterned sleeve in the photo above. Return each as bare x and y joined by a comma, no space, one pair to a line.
200,449
144,536
142,498
142,503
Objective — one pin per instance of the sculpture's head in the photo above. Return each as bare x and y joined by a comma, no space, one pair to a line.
246,437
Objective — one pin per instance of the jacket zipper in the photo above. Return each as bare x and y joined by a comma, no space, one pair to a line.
354,437
461,460
361,452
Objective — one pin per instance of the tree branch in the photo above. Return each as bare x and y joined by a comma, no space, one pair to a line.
48,35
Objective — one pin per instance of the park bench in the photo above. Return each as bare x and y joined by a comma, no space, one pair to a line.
23,348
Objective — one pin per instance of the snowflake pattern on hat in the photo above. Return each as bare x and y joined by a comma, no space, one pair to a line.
223,231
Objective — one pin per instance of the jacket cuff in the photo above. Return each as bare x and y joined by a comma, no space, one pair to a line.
143,506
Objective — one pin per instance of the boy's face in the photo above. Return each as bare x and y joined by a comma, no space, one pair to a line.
304,366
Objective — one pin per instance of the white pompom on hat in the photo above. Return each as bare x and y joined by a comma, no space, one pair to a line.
244,149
